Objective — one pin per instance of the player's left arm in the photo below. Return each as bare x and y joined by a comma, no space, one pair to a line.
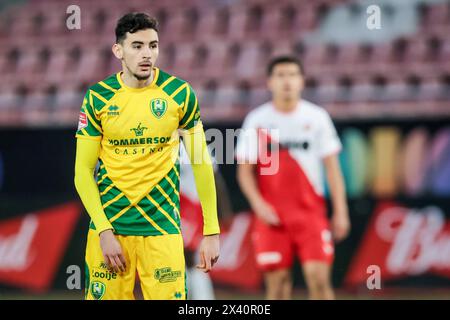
195,142
340,221
330,146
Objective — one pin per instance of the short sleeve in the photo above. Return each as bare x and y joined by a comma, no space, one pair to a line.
247,142
190,114
89,125
329,142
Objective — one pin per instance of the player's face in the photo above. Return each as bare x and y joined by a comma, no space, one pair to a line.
286,81
139,52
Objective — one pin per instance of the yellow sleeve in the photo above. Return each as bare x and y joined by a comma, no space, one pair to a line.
195,143
85,162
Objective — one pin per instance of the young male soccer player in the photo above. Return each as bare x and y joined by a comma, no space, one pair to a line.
290,209
129,122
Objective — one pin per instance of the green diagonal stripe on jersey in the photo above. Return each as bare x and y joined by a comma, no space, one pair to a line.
173,199
91,131
104,92
162,77
173,85
114,204
90,111
97,101
169,209
157,216
170,191
103,182
101,172
112,82
190,108
180,96
133,223
160,198
101,167
173,177
111,194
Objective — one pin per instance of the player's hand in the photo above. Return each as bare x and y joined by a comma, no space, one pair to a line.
266,212
340,224
112,251
209,252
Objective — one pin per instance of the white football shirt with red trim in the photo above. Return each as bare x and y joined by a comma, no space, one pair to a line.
299,140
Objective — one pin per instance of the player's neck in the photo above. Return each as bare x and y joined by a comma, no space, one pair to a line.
130,81
283,105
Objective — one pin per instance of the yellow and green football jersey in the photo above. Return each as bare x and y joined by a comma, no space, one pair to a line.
138,177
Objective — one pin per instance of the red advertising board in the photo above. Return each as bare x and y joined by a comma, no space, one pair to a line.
403,242
237,266
32,246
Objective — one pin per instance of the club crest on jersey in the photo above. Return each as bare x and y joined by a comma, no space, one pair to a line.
82,121
98,290
158,107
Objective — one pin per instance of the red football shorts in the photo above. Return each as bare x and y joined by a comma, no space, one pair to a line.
276,247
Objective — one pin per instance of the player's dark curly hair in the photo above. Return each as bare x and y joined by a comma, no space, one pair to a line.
133,22
284,59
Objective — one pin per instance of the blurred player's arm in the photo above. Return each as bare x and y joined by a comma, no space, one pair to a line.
246,176
86,159
340,219
330,146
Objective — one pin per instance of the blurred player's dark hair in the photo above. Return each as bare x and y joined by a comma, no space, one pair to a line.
133,22
284,59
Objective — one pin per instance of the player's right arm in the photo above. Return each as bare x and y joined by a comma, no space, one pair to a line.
246,176
87,153
247,154
85,162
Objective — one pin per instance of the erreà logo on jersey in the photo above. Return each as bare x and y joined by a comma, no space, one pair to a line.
113,110
158,107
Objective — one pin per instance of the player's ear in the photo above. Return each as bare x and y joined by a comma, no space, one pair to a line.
117,50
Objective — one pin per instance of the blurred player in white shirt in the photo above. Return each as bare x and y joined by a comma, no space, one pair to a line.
289,204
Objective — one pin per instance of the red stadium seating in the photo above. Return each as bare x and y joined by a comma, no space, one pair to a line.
221,49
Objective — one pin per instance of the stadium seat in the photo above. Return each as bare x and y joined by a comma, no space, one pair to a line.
222,24
431,90
203,42
417,52
215,64
444,53
237,24
362,90
327,92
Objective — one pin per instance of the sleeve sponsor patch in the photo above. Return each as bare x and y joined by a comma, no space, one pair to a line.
82,122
